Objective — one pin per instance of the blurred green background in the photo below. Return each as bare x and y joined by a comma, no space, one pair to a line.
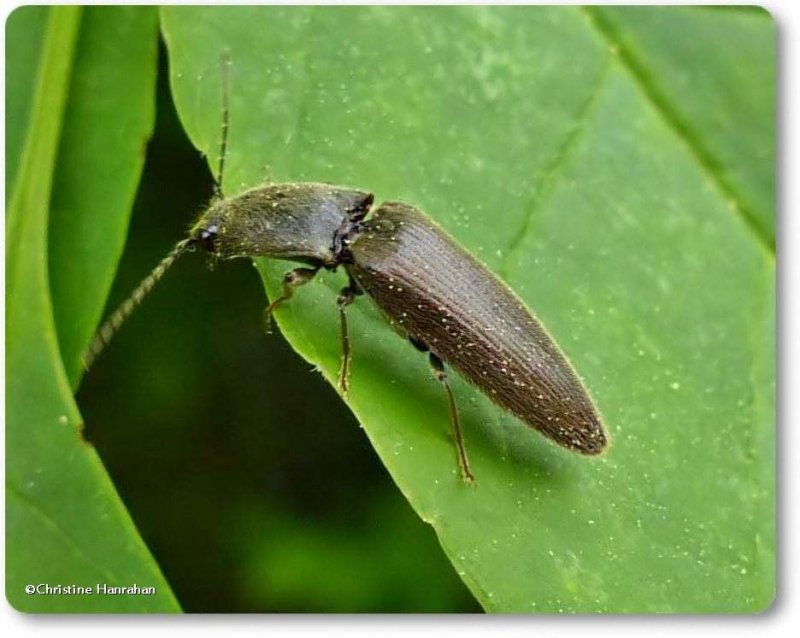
239,514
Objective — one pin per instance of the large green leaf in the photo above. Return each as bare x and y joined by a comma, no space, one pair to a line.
24,33
526,135
65,524
107,123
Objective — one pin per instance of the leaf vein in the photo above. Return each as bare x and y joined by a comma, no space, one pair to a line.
47,520
544,185
710,165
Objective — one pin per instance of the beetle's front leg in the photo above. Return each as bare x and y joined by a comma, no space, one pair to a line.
291,280
346,297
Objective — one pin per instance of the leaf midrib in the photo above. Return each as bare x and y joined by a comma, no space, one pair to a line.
708,163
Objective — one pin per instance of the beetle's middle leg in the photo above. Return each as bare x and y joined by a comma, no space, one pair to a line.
437,366
291,280
346,297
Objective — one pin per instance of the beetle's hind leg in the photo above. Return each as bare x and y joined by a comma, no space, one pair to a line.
346,297
291,280
437,366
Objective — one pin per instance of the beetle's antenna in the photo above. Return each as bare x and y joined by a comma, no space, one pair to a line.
223,144
112,324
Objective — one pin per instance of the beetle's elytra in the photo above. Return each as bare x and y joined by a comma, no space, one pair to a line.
429,288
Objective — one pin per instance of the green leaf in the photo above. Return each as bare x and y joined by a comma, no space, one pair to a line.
526,135
65,524
24,32
712,74
107,123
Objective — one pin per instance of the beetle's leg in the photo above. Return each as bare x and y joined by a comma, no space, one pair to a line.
291,280
346,297
463,460
439,372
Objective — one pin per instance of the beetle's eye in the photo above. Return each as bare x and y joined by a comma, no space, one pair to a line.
207,238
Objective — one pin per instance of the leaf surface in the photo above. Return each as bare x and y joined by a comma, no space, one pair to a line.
65,524
107,123
525,134
24,33
711,71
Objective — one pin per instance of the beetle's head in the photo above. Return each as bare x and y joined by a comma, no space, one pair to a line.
206,238
205,233
230,228
295,221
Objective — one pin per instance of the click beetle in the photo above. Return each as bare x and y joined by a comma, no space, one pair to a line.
432,290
